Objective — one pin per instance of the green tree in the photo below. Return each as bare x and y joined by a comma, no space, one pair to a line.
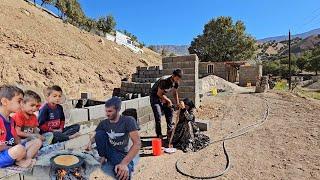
172,54
106,24
223,40
90,24
314,64
302,63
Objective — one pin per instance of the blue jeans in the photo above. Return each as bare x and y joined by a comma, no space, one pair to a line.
113,156
157,108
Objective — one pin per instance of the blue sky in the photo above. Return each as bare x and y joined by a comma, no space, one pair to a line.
179,21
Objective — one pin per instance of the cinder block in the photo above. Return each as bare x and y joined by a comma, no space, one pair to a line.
96,112
143,102
77,143
78,115
132,104
188,65
167,60
86,95
186,89
203,125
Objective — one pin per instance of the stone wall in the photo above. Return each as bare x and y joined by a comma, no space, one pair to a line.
189,88
249,74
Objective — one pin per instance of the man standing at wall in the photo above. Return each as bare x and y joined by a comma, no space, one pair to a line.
160,102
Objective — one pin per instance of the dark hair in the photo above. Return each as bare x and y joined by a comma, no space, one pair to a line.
189,102
177,72
9,91
31,95
114,101
53,88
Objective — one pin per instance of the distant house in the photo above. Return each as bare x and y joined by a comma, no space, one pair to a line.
124,40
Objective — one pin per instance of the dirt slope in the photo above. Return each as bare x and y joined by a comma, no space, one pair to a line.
38,50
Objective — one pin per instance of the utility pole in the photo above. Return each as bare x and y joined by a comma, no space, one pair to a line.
289,60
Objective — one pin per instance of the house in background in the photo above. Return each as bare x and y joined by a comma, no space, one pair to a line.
124,40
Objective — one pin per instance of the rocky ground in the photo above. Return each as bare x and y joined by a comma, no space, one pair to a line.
286,146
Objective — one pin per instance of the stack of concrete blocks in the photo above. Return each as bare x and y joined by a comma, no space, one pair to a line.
249,74
262,84
189,87
147,74
135,88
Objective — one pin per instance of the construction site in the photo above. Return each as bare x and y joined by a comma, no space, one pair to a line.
255,132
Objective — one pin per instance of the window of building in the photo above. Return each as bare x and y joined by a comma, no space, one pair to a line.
210,68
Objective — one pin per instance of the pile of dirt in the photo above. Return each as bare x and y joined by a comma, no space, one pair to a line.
38,50
212,81
315,85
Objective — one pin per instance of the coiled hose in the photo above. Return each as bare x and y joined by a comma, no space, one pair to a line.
232,135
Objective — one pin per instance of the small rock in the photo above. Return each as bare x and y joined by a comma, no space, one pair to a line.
26,12
27,52
101,41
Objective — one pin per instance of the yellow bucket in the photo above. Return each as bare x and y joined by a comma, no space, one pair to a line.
214,91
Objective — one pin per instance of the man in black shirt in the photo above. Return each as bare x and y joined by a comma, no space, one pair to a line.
160,102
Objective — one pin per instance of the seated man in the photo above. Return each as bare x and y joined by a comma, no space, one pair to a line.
112,140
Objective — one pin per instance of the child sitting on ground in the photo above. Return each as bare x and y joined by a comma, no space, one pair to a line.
26,122
51,117
11,151
187,136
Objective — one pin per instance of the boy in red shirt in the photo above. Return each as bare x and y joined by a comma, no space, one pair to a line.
11,151
26,122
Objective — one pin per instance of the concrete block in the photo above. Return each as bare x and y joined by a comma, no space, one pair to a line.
167,60
96,112
203,125
186,89
188,65
78,115
132,104
143,102
77,143
86,95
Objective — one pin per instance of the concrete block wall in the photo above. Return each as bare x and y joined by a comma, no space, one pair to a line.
220,70
203,69
143,107
249,74
135,87
147,74
189,87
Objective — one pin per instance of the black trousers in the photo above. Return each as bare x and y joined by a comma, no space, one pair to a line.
158,108
64,135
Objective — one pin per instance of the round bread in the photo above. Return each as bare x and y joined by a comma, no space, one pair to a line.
66,160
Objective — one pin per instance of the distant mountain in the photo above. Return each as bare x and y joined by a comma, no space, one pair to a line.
284,37
176,49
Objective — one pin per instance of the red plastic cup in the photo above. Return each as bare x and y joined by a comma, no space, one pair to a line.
156,146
